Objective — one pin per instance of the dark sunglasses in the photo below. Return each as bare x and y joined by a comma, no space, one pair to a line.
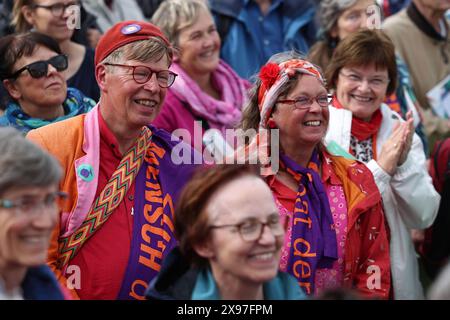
39,69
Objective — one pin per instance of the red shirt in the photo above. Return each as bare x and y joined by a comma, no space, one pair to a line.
104,257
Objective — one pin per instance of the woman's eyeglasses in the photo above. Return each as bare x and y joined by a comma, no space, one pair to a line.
30,206
39,69
252,229
57,9
306,102
375,83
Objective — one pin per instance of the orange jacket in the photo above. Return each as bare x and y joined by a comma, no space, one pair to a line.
49,137
366,258
367,262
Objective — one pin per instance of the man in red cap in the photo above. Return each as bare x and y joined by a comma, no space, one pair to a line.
120,172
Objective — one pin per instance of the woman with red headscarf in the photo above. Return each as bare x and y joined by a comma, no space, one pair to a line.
337,236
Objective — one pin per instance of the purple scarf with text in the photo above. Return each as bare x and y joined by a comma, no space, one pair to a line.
314,242
157,187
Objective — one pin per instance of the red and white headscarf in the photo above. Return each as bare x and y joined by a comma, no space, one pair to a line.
274,76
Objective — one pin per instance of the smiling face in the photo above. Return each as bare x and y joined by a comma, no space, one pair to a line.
352,19
43,20
362,89
231,258
199,46
35,95
129,104
25,236
306,127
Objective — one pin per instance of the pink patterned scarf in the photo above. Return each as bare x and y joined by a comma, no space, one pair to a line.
226,113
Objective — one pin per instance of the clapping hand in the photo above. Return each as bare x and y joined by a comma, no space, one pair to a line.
394,151
408,133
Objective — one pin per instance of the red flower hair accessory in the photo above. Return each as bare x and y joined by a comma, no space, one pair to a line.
269,74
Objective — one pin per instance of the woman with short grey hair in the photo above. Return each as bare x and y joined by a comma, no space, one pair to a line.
29,198
337,19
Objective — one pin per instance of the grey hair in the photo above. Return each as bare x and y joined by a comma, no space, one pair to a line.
251,116
152,49
24,164
174,15
329,12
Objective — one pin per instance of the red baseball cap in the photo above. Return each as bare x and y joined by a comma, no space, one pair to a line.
123,33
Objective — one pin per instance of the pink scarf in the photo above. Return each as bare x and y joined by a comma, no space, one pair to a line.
225,113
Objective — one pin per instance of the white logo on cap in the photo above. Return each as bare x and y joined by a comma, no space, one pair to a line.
131,28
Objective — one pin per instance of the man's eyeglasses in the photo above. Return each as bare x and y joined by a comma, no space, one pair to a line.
39,69
252,229
29,205
142,74
57,9
375,83
305,102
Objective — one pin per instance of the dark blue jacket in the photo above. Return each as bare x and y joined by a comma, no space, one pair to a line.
40,284
243,50
177,280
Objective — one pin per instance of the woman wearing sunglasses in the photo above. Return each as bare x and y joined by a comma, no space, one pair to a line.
58,19
31,68
230,237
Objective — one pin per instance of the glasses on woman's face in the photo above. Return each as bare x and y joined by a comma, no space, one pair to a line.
57,9
305,102
31,206
39,69
142,74
376,82
252,229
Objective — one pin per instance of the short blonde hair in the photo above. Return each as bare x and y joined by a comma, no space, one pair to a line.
174,15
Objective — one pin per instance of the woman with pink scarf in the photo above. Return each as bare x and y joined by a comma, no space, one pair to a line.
206,89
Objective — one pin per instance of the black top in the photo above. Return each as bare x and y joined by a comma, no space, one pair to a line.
84,78
176,279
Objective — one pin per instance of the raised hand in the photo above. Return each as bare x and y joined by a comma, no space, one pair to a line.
408,137
392,149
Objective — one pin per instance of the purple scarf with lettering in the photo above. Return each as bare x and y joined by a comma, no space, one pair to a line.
314,242
157,187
